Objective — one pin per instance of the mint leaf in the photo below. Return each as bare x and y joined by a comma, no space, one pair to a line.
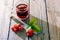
35,28
28,29
33,21
27,26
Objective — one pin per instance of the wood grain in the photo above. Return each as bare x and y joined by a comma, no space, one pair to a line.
5,20
53,8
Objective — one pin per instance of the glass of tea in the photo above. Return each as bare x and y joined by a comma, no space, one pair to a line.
22,9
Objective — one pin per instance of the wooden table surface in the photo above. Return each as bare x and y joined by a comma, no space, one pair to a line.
47,13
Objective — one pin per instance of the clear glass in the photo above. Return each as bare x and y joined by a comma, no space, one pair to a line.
21,8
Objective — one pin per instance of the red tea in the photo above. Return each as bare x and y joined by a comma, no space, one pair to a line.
22,11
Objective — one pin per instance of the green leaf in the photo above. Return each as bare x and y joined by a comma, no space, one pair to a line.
36,28
33,26
28,29
27,26
33,21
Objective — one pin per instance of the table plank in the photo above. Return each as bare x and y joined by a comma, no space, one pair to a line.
5,20
1,16
53,8
34,13
40,13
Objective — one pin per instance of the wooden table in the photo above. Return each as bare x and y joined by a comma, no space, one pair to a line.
47,13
